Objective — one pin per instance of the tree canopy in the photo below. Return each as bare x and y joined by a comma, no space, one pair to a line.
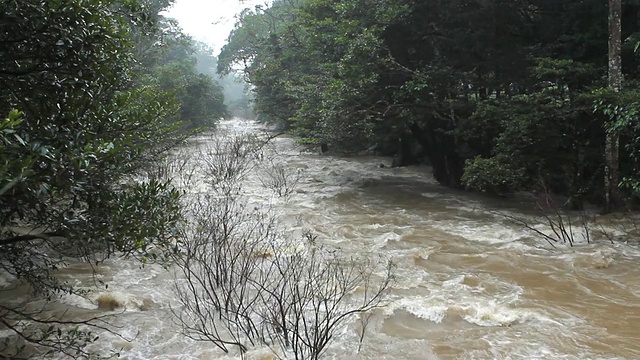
497,95
91,93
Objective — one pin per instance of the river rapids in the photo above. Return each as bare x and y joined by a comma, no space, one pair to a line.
469,283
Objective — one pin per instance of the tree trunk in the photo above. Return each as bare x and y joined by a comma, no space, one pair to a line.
440,149
611,171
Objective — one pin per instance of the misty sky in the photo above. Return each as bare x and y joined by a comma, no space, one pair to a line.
209,20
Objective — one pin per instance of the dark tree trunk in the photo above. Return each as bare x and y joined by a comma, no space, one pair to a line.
440,148
612,142
406,154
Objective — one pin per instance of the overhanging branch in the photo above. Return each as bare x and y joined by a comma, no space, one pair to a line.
28,237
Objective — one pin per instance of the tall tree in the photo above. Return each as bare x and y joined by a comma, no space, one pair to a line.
612,142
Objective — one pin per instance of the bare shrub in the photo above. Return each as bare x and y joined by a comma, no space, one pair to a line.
176,166
221,250
623,226
279,179
309,296
242,282
42,328
226,161
563,227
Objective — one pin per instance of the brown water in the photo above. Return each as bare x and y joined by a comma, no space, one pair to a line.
470,284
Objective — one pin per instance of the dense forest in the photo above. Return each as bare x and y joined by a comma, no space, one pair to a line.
497,95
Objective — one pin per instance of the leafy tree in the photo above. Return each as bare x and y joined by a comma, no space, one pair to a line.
77,124
305,61
251,46
200,98
172,66
235,90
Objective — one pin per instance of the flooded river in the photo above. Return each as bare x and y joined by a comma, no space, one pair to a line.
469,283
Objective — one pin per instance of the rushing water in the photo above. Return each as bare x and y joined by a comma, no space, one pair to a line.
469,283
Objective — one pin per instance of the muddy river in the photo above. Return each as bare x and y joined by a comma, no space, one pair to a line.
469,283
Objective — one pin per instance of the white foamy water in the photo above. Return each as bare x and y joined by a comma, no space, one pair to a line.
469,284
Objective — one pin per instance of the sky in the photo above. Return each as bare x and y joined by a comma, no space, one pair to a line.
209,21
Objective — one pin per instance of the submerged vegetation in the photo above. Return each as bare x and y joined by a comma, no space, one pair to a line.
245,282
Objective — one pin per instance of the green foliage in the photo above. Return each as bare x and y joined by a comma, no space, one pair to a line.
169,61
14,169
510,82
550,133
307,64
201,101
81,116
148,210
236,97
622,111
81,129
495,175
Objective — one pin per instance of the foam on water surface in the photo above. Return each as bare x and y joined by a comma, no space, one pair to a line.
469,284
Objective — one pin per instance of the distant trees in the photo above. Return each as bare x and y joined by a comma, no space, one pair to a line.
472,86
175,69
200,98
236,93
